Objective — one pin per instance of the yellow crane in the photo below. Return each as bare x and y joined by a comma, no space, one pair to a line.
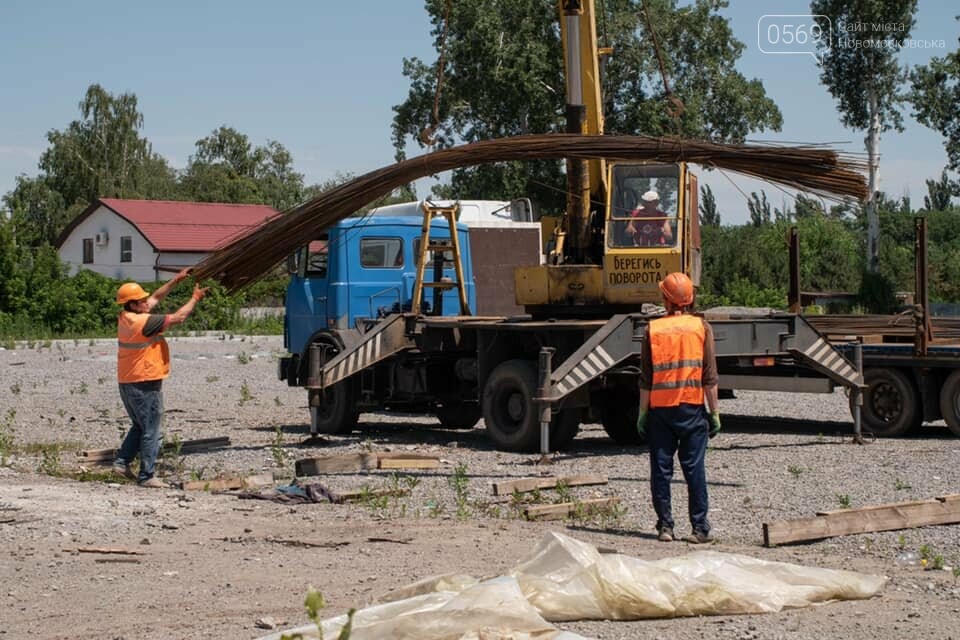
627,224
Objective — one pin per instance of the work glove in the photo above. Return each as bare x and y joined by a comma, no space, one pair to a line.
714,423
642,423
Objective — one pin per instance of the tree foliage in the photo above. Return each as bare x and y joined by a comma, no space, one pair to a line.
709,213
502,76
862,72
939,193
935,94
228,168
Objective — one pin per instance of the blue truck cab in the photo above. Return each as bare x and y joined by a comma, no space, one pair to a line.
362,269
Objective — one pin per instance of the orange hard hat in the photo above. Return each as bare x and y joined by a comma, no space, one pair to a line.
677,288
131,291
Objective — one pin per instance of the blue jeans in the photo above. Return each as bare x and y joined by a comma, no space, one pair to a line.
679,430
144,404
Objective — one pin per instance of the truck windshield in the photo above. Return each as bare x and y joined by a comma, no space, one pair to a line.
643,211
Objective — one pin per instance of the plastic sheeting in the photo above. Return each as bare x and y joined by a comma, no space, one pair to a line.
564,579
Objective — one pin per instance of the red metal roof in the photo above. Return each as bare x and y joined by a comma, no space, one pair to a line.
190,226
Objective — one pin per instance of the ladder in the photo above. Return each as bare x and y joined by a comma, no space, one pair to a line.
438,248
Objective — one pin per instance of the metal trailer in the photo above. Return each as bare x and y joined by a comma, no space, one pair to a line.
910,376
464,367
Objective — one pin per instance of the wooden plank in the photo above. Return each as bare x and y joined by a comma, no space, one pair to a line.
901,515
564,509
221,484
358,494
408,462
335,464
108,550
524,485
91,455
953,497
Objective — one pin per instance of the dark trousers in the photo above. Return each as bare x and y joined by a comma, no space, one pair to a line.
144,404
680,431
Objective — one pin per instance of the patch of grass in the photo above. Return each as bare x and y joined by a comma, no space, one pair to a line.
245,395
276,448
243,357
313,603
843,499
6,436
564,494
15,388
212,379
795,470
80,389
276,401
101,380
460,484
900,485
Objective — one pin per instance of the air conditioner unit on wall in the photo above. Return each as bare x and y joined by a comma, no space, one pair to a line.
101,238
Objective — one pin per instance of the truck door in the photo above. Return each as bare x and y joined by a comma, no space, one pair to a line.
307,295
377,283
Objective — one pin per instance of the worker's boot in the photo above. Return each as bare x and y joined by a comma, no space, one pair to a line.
665,534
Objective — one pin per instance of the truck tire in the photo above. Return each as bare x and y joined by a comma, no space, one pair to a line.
890,406
511,416
950,401
459,415
338,413
619,416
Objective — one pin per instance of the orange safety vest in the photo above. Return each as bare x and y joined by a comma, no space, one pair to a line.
676,349
140,358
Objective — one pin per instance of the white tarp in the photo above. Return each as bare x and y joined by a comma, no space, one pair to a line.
565,579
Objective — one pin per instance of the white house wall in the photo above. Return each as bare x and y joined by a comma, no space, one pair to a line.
106,257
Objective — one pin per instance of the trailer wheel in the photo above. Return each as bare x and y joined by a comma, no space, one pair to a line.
510,414
459,415
950,401
619,416
890,405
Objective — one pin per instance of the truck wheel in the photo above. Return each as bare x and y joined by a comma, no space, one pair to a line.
950,401
458,415
511,416
338,414
889,403
619,417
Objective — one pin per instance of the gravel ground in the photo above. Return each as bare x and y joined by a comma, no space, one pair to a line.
214,564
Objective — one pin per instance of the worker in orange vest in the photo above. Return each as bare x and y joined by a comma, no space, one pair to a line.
678,372
143,361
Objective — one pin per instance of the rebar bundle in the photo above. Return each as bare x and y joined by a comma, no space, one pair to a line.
812,169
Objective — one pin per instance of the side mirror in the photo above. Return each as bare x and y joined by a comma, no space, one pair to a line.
293,262
521,210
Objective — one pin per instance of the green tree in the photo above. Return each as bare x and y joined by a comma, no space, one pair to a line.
935,94
759,208
100,155
37,212
502,76
806,206
866,80
939,193
228,168
709,214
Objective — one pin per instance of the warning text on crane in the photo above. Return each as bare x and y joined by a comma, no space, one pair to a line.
632,271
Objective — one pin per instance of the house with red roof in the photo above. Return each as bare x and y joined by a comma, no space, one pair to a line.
149,240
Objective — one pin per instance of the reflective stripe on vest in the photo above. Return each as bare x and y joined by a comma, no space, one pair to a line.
676,351
140,358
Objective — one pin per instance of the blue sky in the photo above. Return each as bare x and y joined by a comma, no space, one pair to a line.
321,77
